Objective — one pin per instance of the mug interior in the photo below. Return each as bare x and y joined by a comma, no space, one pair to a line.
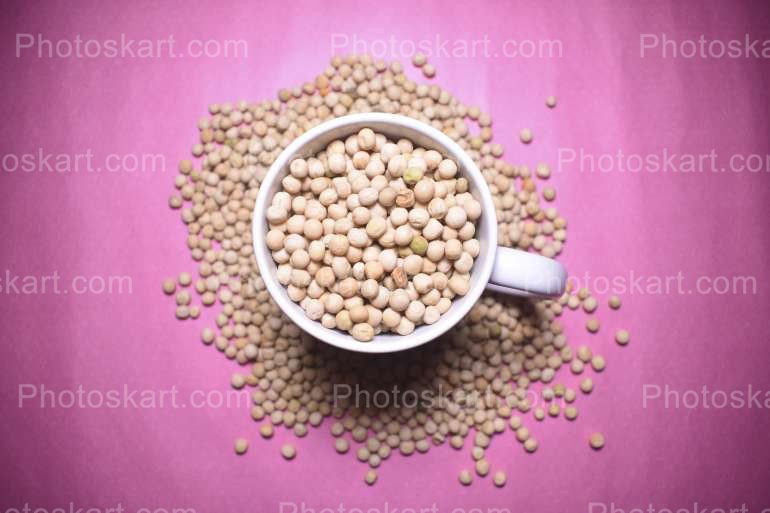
394,127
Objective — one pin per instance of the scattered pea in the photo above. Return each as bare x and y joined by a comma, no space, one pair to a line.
185,279
341,445
288,451
241,445
266,430
622,337
169,286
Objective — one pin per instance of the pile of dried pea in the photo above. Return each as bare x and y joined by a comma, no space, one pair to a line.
483,374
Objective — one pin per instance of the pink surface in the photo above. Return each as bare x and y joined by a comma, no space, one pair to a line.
650,224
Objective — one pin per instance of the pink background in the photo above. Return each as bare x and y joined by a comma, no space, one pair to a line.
652,224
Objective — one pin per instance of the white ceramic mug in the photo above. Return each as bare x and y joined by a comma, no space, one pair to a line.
500,269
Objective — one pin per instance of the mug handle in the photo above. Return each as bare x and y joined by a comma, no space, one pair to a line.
520,273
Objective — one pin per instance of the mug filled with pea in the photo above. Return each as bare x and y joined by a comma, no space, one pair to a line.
376,232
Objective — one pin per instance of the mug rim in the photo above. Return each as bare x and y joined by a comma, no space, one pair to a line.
480,274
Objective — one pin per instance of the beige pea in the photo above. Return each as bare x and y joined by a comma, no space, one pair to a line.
436,250
432,315
482,467
432,230
405,327
577,366
398,216
368,196
325,277
288,451
459,284
391,318
376,227
467,231
348,287
388,259
596,441
456,217
342,320
184,279
362,332
453,249
387,197
293,242
418,218
169,286
530,445
423,283
313,229
241,446
300,259
334,303
464,264
413,263
316,250
337,163
405,198
366,139
399,300
404,235
622,337
415,312
437,208
295,224
440,279
266,430
341,445
361,215
358,238
338,245
359,314
276,214
374,270
590,304
424,190
447,169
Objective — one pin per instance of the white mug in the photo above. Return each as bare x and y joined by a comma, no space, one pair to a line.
500,269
